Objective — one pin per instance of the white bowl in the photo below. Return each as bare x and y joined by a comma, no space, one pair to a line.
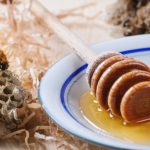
64,83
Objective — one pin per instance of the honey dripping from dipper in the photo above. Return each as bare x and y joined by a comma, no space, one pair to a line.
119,101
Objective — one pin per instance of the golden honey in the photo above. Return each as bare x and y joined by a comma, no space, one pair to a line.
90,108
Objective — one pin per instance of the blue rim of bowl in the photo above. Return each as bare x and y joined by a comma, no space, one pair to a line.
62,98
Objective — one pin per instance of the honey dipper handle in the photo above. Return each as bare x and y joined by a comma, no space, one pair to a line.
64,33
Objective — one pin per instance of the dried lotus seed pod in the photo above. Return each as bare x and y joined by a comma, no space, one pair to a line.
12,96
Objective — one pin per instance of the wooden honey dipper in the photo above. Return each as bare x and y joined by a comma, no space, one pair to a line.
120,83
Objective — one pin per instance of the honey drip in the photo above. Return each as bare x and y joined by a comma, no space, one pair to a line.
139,133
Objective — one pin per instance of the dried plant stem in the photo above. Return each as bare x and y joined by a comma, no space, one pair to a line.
11,15
29,41
10,135
72,11
26,120
42,128
81,15
41,144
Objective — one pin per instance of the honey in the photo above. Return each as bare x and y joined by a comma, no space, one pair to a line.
139,133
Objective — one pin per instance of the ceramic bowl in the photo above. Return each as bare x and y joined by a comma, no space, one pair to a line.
64,83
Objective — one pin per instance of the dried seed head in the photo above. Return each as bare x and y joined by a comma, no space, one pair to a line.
12,96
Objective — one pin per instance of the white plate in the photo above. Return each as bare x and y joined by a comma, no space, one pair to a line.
65,82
